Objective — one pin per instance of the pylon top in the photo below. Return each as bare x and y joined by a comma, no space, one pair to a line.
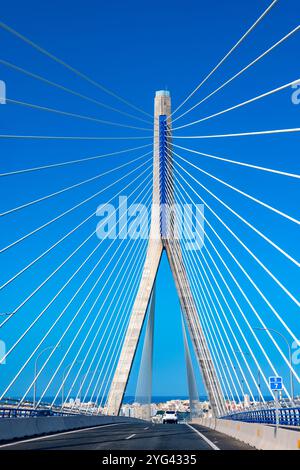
162,93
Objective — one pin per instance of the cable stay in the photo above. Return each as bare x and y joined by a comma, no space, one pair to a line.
69,137
264,54
261,264
252,198
234,162
243,293
71,162
198,263
53,325
51,221
81,326
68,90
74,115
69,67
61,191
241,105
241,134
261,17
237,262
118,283
59,267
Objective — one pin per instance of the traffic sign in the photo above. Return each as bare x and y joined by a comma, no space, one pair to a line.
276,383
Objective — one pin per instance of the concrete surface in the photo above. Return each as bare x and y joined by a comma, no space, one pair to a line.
260,436
17,428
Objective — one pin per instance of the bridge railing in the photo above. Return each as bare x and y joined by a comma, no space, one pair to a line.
10,408
15,412
286,416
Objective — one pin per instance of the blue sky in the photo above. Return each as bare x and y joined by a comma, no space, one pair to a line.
135,48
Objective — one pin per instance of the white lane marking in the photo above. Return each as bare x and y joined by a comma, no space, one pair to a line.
34,439
210,443
146,428
129,437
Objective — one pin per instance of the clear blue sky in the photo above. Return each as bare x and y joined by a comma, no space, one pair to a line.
135,48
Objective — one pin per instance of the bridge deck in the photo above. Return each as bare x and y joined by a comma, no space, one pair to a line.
132,437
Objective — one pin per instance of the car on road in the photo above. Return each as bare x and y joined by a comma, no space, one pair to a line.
170,417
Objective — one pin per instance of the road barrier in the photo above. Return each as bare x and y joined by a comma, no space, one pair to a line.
260,436
18,428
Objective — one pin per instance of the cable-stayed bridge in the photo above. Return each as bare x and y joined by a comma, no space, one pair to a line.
80,259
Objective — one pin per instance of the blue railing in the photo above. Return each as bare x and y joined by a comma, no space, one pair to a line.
287,416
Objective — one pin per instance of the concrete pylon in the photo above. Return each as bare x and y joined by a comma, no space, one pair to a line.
162,237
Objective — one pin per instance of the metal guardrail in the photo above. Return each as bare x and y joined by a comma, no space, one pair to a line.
287,416
14,412
10,408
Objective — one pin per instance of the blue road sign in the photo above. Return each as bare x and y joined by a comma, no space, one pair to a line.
276,383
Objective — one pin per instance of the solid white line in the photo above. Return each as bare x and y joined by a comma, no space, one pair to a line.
211,444
24,441
129,437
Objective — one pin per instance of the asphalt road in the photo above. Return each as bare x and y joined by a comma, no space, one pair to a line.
132,437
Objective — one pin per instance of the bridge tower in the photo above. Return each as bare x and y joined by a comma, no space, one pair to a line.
162,236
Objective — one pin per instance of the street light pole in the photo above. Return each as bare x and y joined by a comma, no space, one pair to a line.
36,371
290,356
258,375
259,385
63,382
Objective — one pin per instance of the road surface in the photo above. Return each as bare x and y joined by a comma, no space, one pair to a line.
132,437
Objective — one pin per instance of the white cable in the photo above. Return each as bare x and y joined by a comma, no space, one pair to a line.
71,162
245,221
261,264
241,105
67,211
125,309
68,90
203,348
116,353
49,331
41,285
261,56
113,328
69,67
211,332
248,165
50,249
216,310
151,264
61,191
254,285
252,198
95,336
70,137
208,329
242,134
204,321
227,55
75,115
225,316
237,304
56,321
82,324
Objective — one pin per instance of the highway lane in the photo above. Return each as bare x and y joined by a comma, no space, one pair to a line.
132,437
